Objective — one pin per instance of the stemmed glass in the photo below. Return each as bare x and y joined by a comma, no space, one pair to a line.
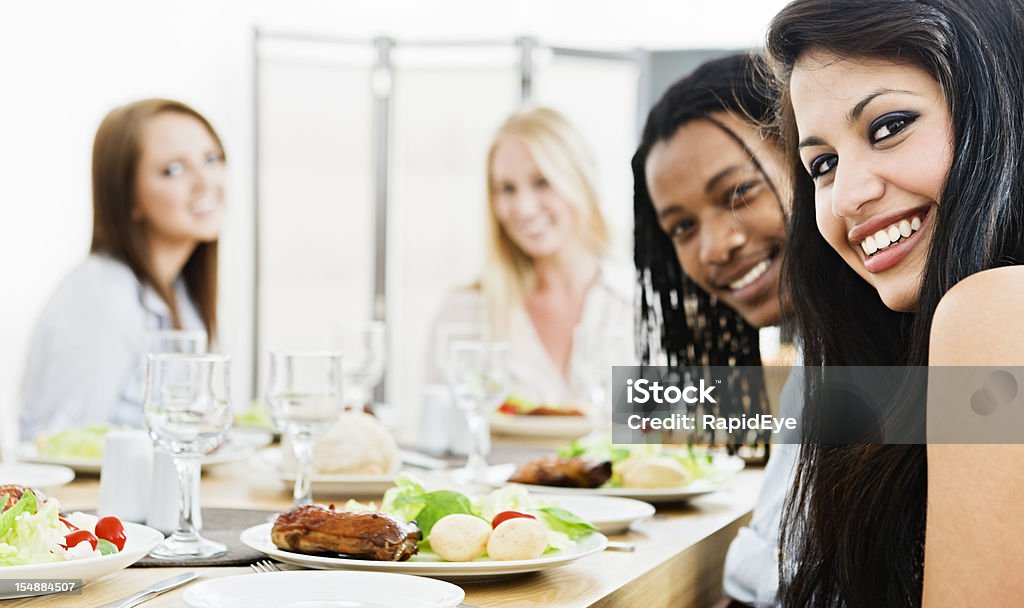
598,353
363,365
173,341
187,409
305,399
479,371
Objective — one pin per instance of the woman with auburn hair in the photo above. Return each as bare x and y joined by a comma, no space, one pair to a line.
903,123
158,202
546,283
709,201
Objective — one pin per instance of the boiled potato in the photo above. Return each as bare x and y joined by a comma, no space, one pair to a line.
653,472
518,538
460,537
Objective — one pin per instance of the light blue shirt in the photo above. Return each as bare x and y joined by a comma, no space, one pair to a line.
752,563
85,359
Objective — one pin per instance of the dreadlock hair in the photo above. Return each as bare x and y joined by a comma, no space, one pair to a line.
678,323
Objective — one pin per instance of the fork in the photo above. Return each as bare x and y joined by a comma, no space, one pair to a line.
264,566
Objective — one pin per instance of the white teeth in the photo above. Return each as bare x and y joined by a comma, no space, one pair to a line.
752,275
883,238
869,245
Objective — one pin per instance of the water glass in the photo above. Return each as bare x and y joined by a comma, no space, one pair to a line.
480,375
305,399
363,364
187,409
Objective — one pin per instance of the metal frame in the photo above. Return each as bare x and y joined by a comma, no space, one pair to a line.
382,89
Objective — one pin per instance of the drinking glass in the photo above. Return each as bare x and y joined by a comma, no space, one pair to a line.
187,409
173,341
596,355
480,374
304,398
363,365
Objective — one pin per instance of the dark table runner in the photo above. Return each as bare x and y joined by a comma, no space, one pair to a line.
223,526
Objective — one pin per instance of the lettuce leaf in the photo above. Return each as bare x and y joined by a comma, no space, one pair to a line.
405,500
26,504
32,534
566,522
441,504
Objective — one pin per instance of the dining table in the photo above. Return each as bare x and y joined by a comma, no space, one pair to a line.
677,561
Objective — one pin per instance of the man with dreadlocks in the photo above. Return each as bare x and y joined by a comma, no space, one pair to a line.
709,229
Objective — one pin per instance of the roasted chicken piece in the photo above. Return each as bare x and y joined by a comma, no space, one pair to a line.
368,534
14,493
563,472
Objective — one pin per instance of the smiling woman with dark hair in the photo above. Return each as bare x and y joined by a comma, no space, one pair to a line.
158,198
904,122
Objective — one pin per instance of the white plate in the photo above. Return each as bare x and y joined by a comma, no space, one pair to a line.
35,475
329,485
321,589
566,427
239,445
139,541
426,564
725,468
611,514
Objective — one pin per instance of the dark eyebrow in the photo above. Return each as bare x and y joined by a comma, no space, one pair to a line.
855,113
858,109
717,177
667,211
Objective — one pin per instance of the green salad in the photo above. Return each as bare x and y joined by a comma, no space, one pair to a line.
693,463
410,501
85,443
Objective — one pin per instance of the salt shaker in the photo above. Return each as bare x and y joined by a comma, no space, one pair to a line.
125,475
435,413
165,497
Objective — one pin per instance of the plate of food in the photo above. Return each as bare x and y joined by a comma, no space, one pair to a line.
39,543
319,588
521,417
651,473
356,457
441,533
82,449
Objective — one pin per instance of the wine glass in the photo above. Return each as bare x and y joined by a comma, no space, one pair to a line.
596,355
480,376
173,341
305,399
363,365
187,409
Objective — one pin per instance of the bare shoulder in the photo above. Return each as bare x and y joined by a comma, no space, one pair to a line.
980,321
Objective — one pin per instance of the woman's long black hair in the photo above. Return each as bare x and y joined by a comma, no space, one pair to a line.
853,529
678,323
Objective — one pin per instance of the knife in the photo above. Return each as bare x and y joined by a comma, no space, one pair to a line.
153,590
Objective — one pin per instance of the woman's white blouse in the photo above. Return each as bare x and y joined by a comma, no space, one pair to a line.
533,374
85,362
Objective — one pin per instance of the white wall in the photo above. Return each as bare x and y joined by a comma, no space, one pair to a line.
64,64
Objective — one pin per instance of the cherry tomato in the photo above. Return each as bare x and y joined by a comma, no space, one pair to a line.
508,408
507,515
72,540
111,528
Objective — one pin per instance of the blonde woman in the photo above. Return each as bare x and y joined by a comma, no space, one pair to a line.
546,286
